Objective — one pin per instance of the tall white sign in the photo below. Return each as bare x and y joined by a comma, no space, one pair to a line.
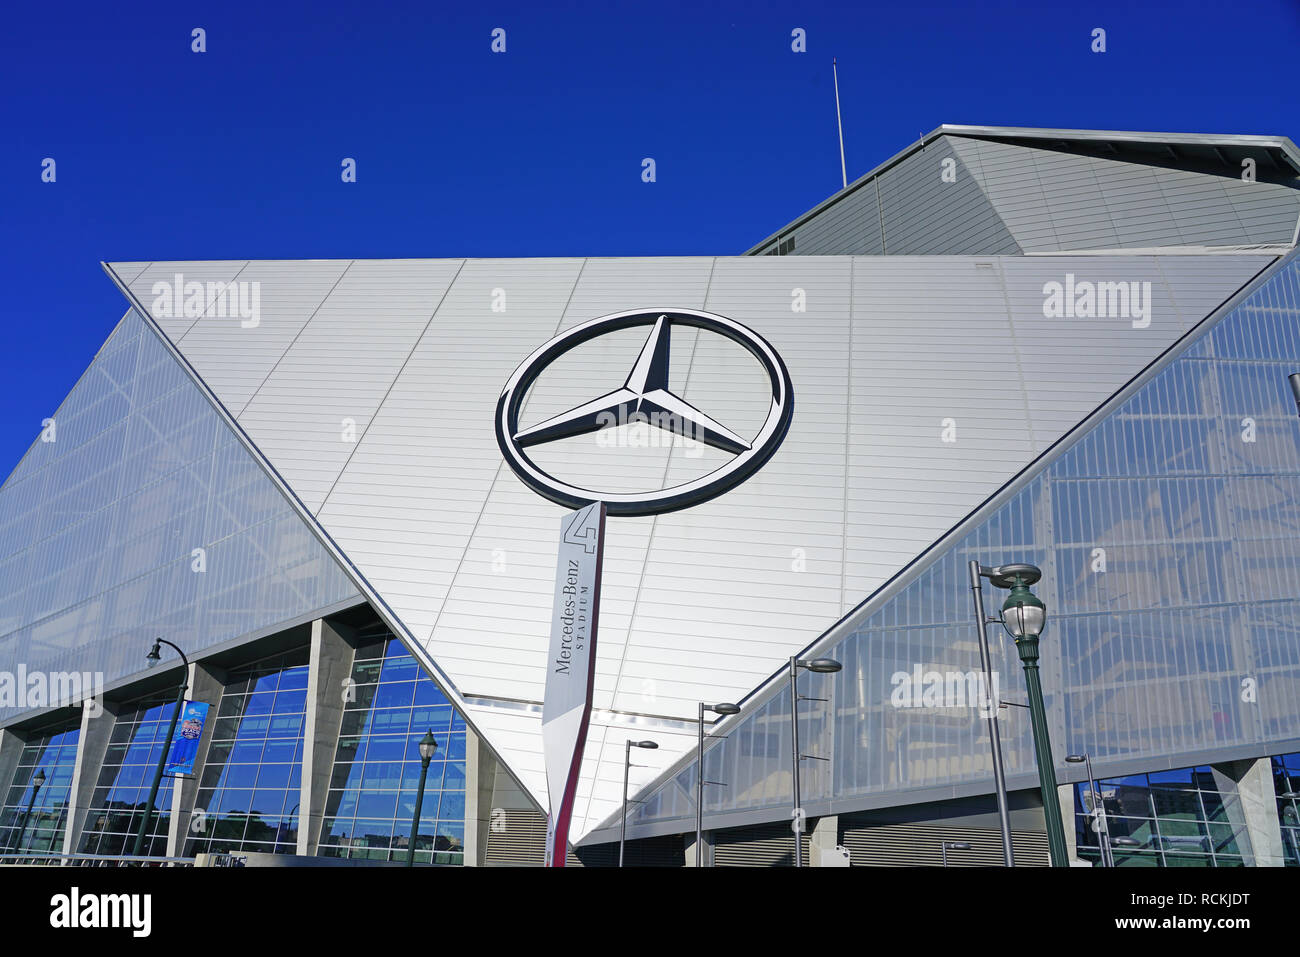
570,667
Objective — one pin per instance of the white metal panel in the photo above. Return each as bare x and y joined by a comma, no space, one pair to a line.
418,481
316,404
148,286
1073,363
235,355
937,416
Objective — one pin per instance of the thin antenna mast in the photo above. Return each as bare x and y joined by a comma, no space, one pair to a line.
844,176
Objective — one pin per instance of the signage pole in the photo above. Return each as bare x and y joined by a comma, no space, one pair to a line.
570,668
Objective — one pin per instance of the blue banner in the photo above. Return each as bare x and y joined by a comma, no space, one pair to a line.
185,743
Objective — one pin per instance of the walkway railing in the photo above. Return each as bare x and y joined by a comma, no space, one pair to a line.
38,859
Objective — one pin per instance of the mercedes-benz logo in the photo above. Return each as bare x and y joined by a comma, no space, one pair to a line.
644,397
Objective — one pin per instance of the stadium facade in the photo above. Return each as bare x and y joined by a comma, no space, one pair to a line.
1062,347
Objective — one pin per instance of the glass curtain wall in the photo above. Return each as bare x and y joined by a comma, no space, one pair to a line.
376,773
54,753
251,781
1286,777
1191,817
120,796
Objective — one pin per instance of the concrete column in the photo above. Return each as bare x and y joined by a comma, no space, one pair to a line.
11,749
480,777
332,653
205,684
823,838
1255,809
707,857
1065,797
97,720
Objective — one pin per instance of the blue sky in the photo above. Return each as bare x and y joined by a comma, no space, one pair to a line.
235,153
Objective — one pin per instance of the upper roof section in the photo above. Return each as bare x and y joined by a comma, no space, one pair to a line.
981,190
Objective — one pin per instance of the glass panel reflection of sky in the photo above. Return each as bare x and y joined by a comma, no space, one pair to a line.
122,791
53,752
377,766
1168,538
249,791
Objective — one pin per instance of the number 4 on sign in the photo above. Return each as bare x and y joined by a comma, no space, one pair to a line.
586,536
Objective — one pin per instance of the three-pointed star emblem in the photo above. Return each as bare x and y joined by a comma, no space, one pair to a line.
644,397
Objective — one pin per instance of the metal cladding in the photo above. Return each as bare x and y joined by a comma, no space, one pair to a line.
987,190
364,394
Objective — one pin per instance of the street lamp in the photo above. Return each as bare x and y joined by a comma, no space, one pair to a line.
946,846
1124,842
152,659
36,787
627,764
428,747
821,666
1098,808
978,572
1294,379
1023,616
723,709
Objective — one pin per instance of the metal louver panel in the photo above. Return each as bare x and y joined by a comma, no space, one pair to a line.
920,845
521,842
766,845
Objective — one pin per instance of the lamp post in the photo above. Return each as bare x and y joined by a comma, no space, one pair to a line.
723,709
152,659
428,747
977,573
282,830
946,846
627,764
1023,616
1098,808
37,781
1294,379
821,666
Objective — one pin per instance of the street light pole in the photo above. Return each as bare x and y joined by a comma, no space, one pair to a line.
724,709
1023,616
977,572
428,746
37,781
1099,808
823,666
153,658
627,764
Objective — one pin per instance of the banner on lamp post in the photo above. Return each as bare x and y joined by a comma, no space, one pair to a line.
570,668
185,742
